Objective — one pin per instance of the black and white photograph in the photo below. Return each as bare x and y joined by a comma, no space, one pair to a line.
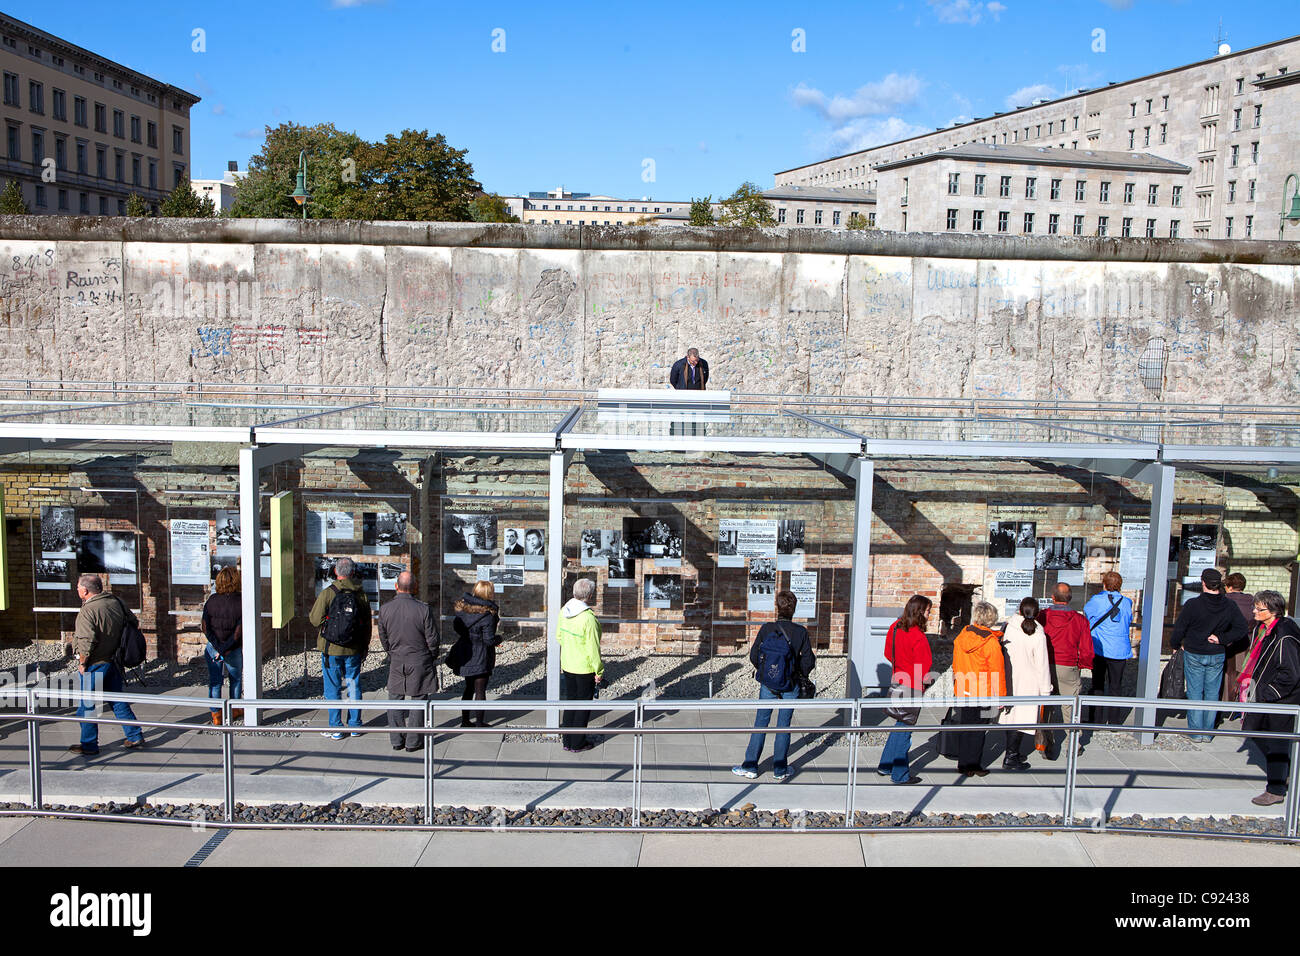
1026,533
728,542
381,531
469,534
1060,554
1200,537
388,573
58,531
323,572
52,575
622,572
599,545
659,539
501,576
108,552
367,575
789,537
224,558
762,584
227,529
512,542
1002,538
663,591
340,526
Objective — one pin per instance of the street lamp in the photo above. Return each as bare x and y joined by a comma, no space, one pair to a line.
300,194
1290,207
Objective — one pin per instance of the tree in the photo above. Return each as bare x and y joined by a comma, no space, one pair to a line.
702,212
417,176
184,203
746,207
490,207
858,220
137,207
334,174
11,200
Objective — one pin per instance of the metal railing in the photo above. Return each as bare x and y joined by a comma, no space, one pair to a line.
851,711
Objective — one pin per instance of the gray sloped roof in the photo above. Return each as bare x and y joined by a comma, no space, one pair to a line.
821,194
1044,156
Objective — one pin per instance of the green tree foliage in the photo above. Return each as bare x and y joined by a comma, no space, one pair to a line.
858,220
183,203
746,207
11,200
418,177
702,211
334,160
137,207
490,207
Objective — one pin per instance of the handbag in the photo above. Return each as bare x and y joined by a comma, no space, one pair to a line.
459,654
1042,739
896,710
947,740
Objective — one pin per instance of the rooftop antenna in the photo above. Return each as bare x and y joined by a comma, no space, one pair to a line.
1220,43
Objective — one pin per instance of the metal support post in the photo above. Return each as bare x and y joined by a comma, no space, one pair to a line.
864,473
855,720
34,750
1292,807
637,763
428,764
1154,588
1071,765
250,545
554,580
228,753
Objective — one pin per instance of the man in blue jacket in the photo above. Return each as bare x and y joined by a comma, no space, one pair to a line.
1110,615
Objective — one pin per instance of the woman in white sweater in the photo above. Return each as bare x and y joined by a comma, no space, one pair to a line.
1028,675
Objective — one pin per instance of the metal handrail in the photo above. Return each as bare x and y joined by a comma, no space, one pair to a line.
852,729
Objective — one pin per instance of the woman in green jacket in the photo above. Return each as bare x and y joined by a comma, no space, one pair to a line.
581,670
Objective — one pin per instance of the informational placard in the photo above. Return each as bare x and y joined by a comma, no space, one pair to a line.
1013,584
340,526
762,584
108,552
663,591
58,531
501,576
1008,543
622,573
803,585
1133,539
659,539
189,552
381,531
282,558
1198,561
55,574
599,546
525,547
264,554
314,532
466,534
741,538
228,530
789,545
388,573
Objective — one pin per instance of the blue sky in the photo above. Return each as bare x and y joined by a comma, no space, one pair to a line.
583,94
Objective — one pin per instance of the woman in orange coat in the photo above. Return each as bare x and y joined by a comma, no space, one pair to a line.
977,671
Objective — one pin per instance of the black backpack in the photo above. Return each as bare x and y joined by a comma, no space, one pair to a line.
131,651
343,620
776,663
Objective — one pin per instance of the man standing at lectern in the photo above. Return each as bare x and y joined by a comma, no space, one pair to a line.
689,372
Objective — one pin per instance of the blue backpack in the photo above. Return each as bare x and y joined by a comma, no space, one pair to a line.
776,664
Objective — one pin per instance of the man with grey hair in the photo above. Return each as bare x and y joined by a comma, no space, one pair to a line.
691,372
98,632
581,669
342,614
410,637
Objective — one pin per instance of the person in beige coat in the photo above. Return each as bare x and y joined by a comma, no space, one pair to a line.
1029,674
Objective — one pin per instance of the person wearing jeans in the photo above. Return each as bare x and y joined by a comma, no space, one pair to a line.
1204,629
908,651
1203,673
340,665
104,677
581,669
802,661
98,635
342,673
222,624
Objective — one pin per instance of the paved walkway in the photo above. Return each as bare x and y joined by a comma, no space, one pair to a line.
686,771
58,843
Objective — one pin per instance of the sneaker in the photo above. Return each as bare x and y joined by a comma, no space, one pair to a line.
133,744
904,783
882,772
1267,799
78,749
745,772
782,775
355,734
332,736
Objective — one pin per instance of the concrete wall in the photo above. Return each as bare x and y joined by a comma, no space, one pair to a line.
405,304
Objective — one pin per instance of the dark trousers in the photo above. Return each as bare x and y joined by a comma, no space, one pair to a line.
1015,743
475,689
576,687
397,719
970,743
1277,753
1108,681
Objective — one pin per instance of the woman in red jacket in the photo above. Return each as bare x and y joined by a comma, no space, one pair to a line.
908,650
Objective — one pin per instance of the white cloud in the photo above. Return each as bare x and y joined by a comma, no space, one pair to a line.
1118,4
864,133
873,99
963,11
1027,94
958,120
219,109
997,9
339,4
253,133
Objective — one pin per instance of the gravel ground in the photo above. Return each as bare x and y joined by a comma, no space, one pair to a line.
744,817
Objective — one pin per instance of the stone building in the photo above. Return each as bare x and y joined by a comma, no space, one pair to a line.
82,133
1227,118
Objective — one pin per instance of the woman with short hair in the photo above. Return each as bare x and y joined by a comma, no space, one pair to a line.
977,671
222,625
1271,675
476,621
1028,675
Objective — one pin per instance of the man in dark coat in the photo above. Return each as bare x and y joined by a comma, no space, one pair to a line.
691,372
409,635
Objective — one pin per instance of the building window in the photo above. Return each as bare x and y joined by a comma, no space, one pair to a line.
1233,155
953,183
1053,224
36,96
59,105
15,150
1031,187
1164,102
1103,224
11,89
178,139
60,152
63,199
1259,110
1164,132
1227,231
1130,139
952,219
101,163
1153,195
1004,219
151,129
119,124
1232,190
1236,120
79,110
1241,82
1177,198
1029,222
121,207
135,129
40,195
1103,191
38,147
1128,193
1004,186
1148,106
1146,136
817,217
119,167
83,204
780,214
103,205
1173,229
1133,109
135,170
798,217
1080,189
1076,122
1254,152
101,118
1127,228
1250,190
1056,189
1151,228
977,221
1078,225
979,184
81,158
835,218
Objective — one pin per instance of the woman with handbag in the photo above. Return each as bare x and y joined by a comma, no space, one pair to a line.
476,626
908,651
1028,675
978,670
1272,676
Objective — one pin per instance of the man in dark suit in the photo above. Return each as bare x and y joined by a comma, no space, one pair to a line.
408,633
689,372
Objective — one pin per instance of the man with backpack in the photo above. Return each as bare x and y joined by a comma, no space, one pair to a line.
1110,618
342,613
97,639
781,654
